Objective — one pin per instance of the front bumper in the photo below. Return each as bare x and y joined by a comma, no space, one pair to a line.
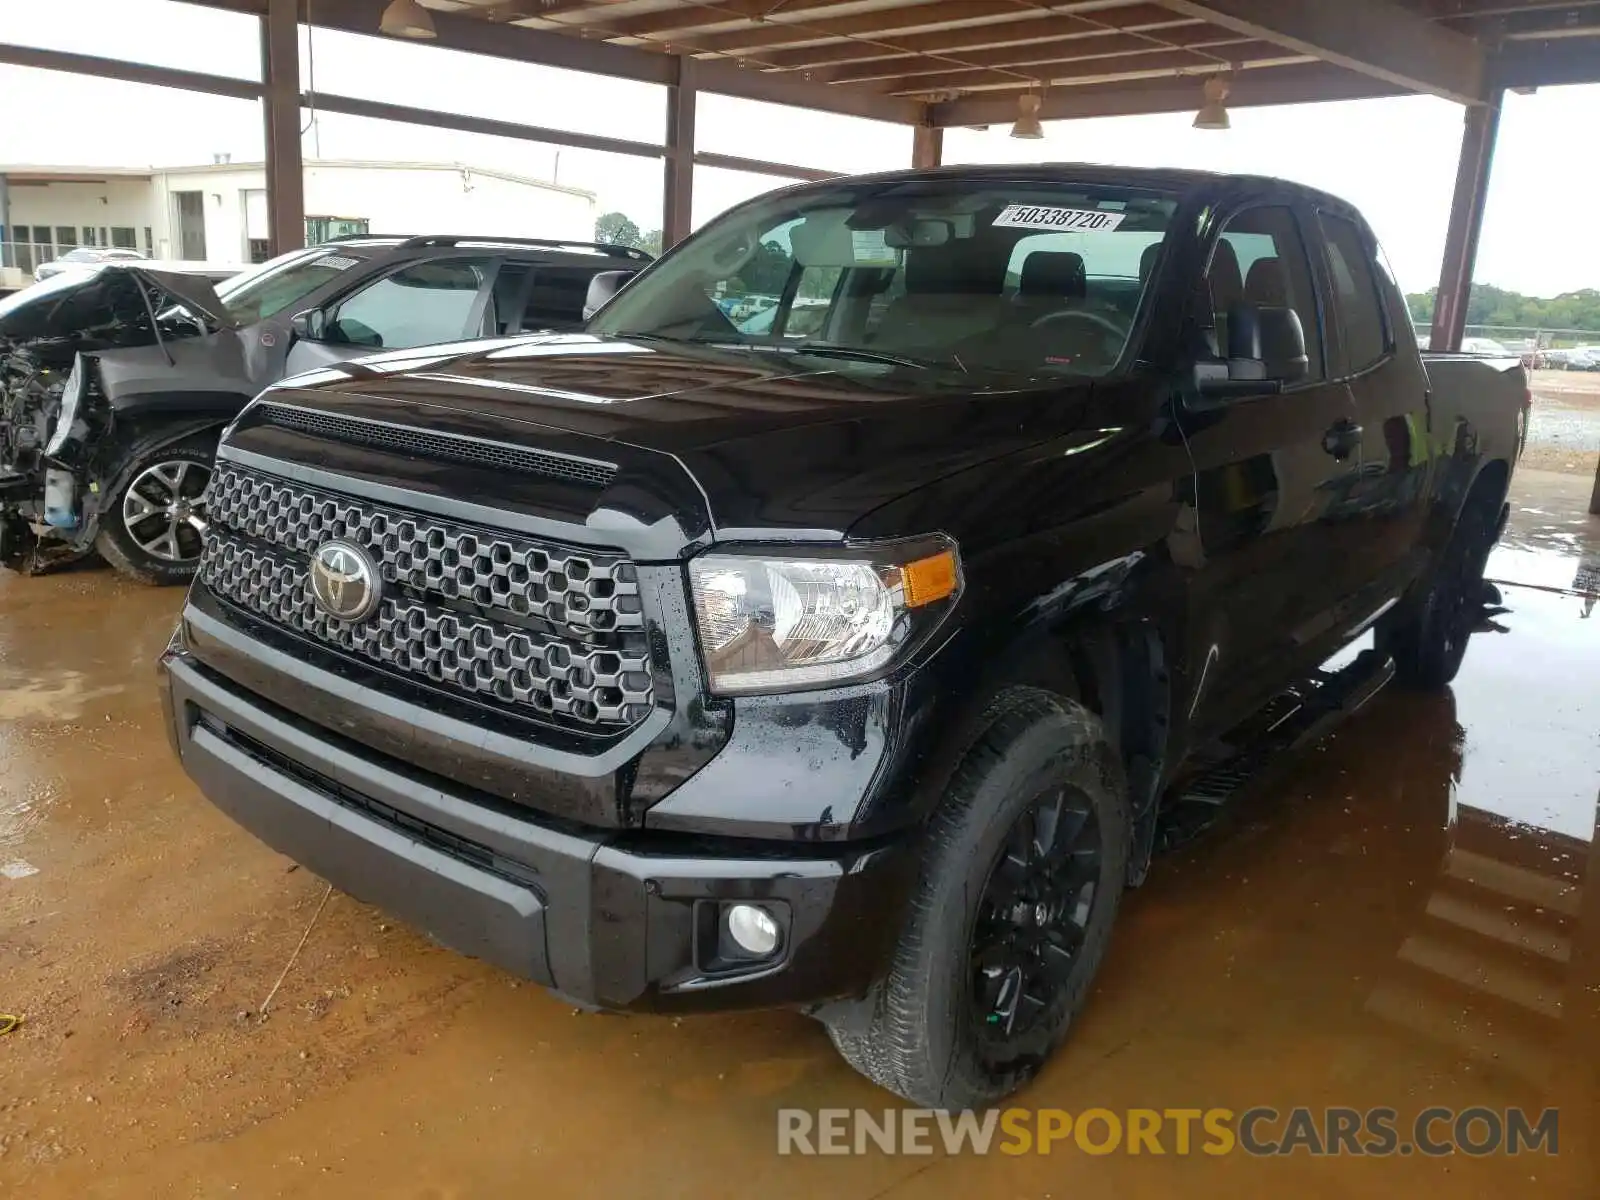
607,919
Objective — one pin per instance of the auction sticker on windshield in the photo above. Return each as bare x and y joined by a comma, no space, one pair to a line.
1067,220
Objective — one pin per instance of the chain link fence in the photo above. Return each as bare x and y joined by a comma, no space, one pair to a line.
1522,338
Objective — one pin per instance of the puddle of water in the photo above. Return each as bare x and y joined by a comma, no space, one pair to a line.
60,697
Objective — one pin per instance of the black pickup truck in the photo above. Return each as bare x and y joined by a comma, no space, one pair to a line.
704,659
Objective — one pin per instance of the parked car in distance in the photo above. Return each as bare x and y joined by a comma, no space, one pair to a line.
682,665
1580,358
84,256
116,380
1487,347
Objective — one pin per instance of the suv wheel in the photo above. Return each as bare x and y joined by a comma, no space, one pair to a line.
154,529
1024,869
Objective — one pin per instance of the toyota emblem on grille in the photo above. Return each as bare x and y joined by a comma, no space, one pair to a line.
344,581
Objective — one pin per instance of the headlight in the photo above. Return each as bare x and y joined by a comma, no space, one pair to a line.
772,622
71,397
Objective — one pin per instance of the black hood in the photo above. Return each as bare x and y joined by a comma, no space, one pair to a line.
772,440
98,300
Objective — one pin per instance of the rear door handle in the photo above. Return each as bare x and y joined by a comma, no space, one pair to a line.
1342,439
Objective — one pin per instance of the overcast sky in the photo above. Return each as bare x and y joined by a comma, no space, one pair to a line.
1395,158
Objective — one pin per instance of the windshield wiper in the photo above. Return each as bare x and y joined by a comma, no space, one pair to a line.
862,353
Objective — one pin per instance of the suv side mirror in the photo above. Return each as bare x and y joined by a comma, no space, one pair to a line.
309,326
602,286
1266,343
1266,350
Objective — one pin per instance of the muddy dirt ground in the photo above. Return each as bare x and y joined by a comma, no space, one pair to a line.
1410,918
1564,429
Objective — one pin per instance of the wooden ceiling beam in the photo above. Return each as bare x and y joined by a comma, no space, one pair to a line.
1371,37
1302,84
1115,47
973,37
714,14
789,26
1052,72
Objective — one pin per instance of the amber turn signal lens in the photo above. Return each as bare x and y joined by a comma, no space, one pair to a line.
929,579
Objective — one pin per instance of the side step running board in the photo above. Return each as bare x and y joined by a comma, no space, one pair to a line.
1295,718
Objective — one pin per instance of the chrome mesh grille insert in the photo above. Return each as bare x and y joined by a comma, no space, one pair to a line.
531,625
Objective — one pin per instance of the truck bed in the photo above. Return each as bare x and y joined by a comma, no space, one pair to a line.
1490,395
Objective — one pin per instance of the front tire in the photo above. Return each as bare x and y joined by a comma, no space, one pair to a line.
1024,868
153,529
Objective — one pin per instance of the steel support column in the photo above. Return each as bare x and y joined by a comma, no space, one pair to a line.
677,198
927,146
1466,223
280,107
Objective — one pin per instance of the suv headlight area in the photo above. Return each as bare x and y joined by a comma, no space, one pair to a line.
775,619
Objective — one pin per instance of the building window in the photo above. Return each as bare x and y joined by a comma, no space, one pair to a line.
149,242
325,229
66,237
90,238
124,237
29,253
260,250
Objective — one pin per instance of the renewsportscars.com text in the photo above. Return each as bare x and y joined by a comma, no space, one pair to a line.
1258,1132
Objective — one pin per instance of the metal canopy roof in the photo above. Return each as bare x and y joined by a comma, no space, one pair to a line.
961,62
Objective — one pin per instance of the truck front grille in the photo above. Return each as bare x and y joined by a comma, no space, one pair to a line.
527,624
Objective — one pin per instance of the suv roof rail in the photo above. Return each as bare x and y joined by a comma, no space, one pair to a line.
606,248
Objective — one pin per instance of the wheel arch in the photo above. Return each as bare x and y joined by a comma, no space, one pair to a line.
1115,664
137,439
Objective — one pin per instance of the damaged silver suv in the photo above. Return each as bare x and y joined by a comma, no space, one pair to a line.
115,383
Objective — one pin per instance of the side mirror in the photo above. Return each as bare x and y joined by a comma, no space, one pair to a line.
1266,351
309,326
1266,343
602,286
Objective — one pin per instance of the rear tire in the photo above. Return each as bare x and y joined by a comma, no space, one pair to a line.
1023,872
1429,643
152,529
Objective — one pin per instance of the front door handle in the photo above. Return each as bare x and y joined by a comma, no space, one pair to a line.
1342,439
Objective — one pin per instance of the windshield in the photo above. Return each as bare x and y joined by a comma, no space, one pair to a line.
1035,279
267,290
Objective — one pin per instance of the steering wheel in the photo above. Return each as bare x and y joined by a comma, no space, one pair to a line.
1105,324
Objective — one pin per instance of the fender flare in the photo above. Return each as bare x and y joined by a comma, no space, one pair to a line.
129,454
1105,656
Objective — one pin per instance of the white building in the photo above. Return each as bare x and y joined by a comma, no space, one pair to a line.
218,213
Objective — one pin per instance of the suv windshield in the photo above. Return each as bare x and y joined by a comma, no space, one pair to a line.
1034,279
266,290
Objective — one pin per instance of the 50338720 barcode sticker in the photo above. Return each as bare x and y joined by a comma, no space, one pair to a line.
1062,220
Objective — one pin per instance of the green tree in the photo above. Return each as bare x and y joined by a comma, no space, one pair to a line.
651,244
768,269
617,229
1489,305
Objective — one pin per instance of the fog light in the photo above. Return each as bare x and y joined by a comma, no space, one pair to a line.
753,929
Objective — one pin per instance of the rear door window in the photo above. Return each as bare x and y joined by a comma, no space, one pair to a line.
1355,293
556,301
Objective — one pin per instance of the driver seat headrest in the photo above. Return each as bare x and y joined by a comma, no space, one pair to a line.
1053,275
1224,278
1267,285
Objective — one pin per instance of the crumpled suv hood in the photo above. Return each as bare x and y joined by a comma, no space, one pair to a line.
103,303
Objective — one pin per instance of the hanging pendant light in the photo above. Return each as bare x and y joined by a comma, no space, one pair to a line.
1027,123
407,19
1213,112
